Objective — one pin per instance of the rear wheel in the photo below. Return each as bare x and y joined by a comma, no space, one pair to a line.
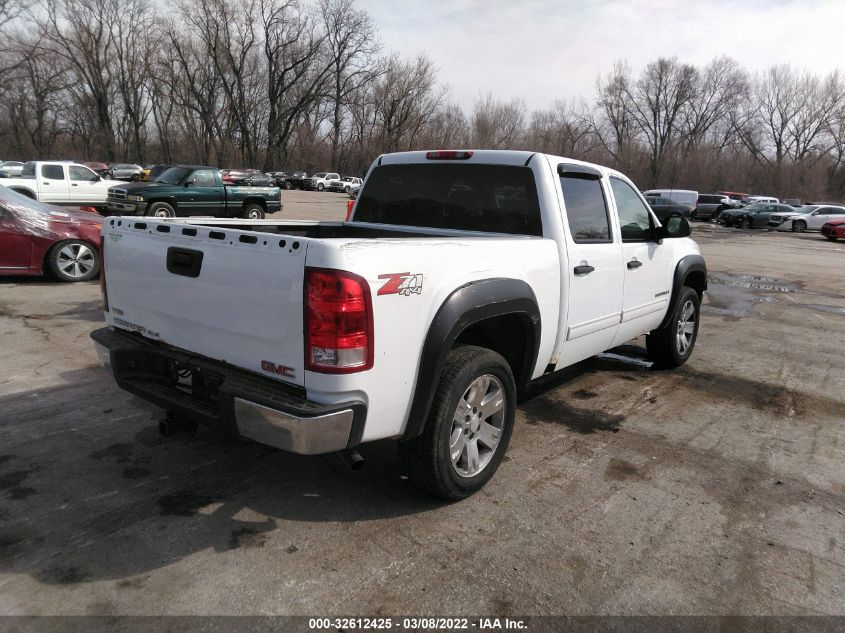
672,345
799,226
252,211
74,260
469,426
161,210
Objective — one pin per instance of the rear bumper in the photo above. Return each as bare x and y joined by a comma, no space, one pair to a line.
242,403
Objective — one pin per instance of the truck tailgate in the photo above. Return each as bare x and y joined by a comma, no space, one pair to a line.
227,294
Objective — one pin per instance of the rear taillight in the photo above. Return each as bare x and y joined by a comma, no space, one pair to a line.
448,154
338,322
350,204
103,289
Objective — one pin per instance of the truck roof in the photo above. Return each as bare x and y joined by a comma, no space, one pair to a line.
486,156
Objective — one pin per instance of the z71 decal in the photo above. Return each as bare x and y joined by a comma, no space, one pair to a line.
404,284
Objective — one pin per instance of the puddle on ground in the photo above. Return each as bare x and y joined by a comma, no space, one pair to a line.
735,295
819,307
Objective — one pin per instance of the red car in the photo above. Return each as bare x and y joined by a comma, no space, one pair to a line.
834,229
36,238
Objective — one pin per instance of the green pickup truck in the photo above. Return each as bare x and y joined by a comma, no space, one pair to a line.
186,190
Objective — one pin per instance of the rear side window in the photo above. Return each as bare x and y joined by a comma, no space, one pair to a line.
52,172
586,209
488,198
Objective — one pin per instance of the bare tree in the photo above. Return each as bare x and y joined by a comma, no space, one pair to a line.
497,124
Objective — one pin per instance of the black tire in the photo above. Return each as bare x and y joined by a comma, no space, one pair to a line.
74,260
832,238
664,348
799,226
136,178
427,457
160,210
745,223
320,186
252,211
692,216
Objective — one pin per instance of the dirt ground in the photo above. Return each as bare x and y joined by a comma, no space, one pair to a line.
718,488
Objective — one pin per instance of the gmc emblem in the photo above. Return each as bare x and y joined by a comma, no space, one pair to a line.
281,370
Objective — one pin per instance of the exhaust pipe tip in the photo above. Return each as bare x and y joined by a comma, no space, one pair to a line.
352,459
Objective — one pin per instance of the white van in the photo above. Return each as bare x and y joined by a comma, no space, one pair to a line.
686,197
756,199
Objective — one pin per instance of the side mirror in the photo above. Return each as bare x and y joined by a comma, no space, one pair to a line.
188,183
96,178
673,226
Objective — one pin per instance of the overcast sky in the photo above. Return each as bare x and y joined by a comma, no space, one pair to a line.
542,50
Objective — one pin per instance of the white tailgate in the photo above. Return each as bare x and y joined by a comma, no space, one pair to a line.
244,308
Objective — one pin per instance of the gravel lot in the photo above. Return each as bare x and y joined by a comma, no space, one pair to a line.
715,489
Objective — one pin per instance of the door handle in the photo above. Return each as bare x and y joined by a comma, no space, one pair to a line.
45,183
583,269
73,184
634,263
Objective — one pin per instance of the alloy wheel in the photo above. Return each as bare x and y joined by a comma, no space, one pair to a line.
76,260
686,328
477,426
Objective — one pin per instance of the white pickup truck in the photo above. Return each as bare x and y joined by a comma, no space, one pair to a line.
62,183
460,277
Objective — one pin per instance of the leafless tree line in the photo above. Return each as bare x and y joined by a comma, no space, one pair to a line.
283,84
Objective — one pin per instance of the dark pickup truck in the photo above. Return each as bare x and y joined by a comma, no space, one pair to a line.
186,190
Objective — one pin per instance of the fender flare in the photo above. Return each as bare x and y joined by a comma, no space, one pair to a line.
24,191
685,266
465,306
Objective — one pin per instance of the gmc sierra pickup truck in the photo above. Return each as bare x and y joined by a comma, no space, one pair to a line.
460,277
185,190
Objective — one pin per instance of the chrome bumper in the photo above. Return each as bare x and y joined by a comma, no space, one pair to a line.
307,436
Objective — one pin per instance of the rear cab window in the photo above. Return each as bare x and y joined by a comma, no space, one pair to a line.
586,208
52,172
485,198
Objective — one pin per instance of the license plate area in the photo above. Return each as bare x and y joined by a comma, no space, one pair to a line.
181,383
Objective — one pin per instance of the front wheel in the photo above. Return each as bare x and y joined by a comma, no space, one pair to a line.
161,210
832,238
469,425
671,346
799,226
745,223
320,186
74,260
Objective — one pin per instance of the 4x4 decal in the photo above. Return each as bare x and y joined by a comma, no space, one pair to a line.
404,284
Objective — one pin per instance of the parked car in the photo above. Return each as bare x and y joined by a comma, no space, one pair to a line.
319,181
60,183
286,333
101,169
737,198
709,206
686,197
756,199
279,179
10,168
343,184
664,207
125,171
811,217
156,171
187,190
36,238
793,202
754,216
296,178
834,229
